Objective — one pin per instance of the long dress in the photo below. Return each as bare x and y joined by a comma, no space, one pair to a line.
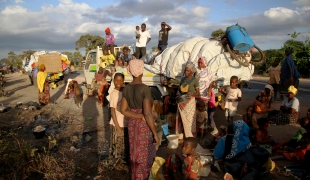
44,89
141,147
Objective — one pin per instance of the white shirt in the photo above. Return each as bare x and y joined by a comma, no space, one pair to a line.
144,36
232,94
294,103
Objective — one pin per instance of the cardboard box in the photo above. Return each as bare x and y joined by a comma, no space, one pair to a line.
51,61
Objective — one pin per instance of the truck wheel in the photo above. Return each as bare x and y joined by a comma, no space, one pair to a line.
156,94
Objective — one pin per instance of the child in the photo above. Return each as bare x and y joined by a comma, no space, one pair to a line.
138,33
190,166
249,118
298,138
211,109
262,137
78,94
233,96
107,58
201,117
274,72
119,133
124,58
158,123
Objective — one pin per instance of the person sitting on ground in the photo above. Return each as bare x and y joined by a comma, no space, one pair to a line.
233,96
239,158
249,118
201,117
263,100
124,58
107,58
174,168
262,137
289,110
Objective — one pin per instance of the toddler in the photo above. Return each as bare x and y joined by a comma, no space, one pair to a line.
201,117
138,33
233,96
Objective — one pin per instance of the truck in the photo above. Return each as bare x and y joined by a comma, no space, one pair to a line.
163,77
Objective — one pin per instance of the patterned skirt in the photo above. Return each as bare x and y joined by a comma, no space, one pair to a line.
44,97
284,118
142,150
119,144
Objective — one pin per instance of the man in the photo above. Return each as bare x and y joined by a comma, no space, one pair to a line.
163,36
141,43
109,40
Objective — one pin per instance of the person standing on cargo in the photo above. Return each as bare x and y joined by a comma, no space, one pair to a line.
141,43
163,36
109,40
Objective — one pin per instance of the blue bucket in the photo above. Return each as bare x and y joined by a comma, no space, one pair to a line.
236,37
165,129
249,41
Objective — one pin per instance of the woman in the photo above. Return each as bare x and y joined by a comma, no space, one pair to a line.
274,80
137,106
239,158
263,100
205,78
289,74
43,86
289,110
189,87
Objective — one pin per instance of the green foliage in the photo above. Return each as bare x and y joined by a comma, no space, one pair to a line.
218,33
89,42
14,59
294,34
74,56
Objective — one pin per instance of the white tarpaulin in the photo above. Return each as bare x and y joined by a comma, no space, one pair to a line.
172,61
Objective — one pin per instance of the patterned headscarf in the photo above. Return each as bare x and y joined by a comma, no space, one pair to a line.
202,60
191,67
292,89
135,67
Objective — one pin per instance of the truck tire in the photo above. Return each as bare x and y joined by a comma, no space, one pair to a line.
156,94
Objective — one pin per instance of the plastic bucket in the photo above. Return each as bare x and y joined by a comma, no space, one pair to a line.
165,129
236,37
173,141
249,41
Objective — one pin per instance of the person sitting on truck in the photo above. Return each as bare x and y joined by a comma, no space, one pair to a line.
107,58
189,87
124,58
109,40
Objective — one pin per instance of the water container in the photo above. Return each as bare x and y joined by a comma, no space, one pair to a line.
165,129
236,37
173,141
239,39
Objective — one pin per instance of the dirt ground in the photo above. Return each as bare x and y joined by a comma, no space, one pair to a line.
77,143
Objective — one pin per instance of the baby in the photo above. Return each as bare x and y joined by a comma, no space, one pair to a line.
138,33
201,117
78,94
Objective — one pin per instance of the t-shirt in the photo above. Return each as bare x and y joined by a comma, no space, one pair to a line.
135,94
163,37
144,36
232,94
115,102
125,58
109,39
274,74
294,103
211,102
108,59
191,166
189,85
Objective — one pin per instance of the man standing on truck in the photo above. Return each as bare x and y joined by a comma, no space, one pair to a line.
109,40
145,38
163,36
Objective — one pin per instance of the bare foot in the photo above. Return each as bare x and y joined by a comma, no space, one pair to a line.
228,177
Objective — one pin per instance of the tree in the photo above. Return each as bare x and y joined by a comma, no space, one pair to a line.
218,33
89,42
294,34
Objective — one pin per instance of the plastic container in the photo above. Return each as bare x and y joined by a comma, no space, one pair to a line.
173,141
165,129
250,43
236,37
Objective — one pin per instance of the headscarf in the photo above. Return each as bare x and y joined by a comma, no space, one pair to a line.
191,67
107,30
289,49
135,67
240,141
293,90
268,86
202,60
112,86
42,67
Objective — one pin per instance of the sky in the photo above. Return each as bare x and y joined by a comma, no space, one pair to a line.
56,24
